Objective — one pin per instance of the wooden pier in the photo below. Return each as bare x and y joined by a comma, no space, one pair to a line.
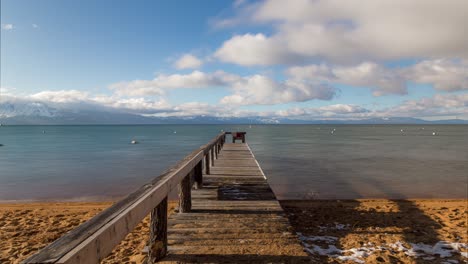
227,214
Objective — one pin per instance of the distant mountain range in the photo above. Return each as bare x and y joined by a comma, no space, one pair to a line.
43,114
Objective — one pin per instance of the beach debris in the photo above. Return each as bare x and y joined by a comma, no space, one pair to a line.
134,142
442,249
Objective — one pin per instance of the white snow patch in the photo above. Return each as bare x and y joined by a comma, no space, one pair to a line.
443,249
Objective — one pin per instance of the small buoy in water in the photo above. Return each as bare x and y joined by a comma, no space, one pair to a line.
434,133
175,132
334,129
43,131
1,145
401,130
134,142
332,132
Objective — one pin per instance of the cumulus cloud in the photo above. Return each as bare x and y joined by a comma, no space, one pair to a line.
381,80
49,103
443,74
247,90
325,112
255,49
258,89
161,83
61,96
7,26
188,61
350,31
79,100
438,106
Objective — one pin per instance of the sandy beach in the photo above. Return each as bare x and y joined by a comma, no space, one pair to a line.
357,231
382,231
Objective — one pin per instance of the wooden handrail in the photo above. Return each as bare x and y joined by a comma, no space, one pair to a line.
95,239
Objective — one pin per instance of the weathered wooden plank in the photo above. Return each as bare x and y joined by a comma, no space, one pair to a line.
237,206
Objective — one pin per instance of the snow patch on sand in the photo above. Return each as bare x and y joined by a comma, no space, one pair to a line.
443,249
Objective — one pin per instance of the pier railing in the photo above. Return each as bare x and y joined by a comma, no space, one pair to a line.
95,239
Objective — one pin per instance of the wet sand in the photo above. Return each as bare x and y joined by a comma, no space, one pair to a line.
370,231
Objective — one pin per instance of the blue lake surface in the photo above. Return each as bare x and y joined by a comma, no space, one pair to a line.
300,161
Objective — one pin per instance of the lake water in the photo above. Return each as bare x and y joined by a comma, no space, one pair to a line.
300,161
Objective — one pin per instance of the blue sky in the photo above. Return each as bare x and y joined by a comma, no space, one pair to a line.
239,58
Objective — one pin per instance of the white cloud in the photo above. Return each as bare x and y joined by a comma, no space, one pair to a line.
345,31
7,26
34,25
161,83
62,96
336,111
79,100
438,105
259,89
50,103
443,74
256,49
381,80
188,61
249,90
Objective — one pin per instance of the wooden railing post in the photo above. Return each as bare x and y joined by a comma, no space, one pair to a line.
185,194
212,156
157,248
198,175
207,163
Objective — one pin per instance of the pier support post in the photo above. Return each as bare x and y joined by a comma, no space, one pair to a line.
185,194
198,175
212,156
207,163
157,248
